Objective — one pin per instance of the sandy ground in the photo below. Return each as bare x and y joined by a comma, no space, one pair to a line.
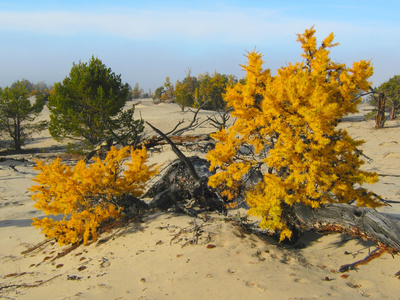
154,257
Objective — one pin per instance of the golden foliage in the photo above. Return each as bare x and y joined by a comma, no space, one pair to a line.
294,115
87,195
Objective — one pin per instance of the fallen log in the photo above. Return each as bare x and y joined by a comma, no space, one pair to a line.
363,222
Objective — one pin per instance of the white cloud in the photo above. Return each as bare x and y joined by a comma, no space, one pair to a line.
230,25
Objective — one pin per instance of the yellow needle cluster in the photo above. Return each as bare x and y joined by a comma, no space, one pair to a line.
294,115
87,195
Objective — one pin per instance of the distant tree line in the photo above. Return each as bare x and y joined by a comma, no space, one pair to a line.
32,88
205,90
89,105
138,93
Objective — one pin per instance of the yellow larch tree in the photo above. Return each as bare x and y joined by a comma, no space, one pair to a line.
290,121
87,195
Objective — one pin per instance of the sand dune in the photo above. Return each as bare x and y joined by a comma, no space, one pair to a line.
172,256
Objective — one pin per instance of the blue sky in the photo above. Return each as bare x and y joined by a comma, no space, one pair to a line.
145,41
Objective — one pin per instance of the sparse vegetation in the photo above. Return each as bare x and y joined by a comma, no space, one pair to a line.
284,129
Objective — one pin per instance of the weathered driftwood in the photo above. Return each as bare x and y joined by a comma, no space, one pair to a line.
177,188
176,131
180,155
363,222
182,182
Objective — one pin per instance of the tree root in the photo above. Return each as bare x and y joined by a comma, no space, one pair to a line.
353,266
40,245
27,285
66,251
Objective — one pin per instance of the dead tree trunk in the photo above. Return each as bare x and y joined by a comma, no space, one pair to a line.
185,184
393,112
180,155
362,222
380,115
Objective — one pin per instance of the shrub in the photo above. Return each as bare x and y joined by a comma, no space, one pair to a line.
87,196
294,115
17,113
88,107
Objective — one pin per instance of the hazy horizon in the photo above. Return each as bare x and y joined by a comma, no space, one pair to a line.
147,41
